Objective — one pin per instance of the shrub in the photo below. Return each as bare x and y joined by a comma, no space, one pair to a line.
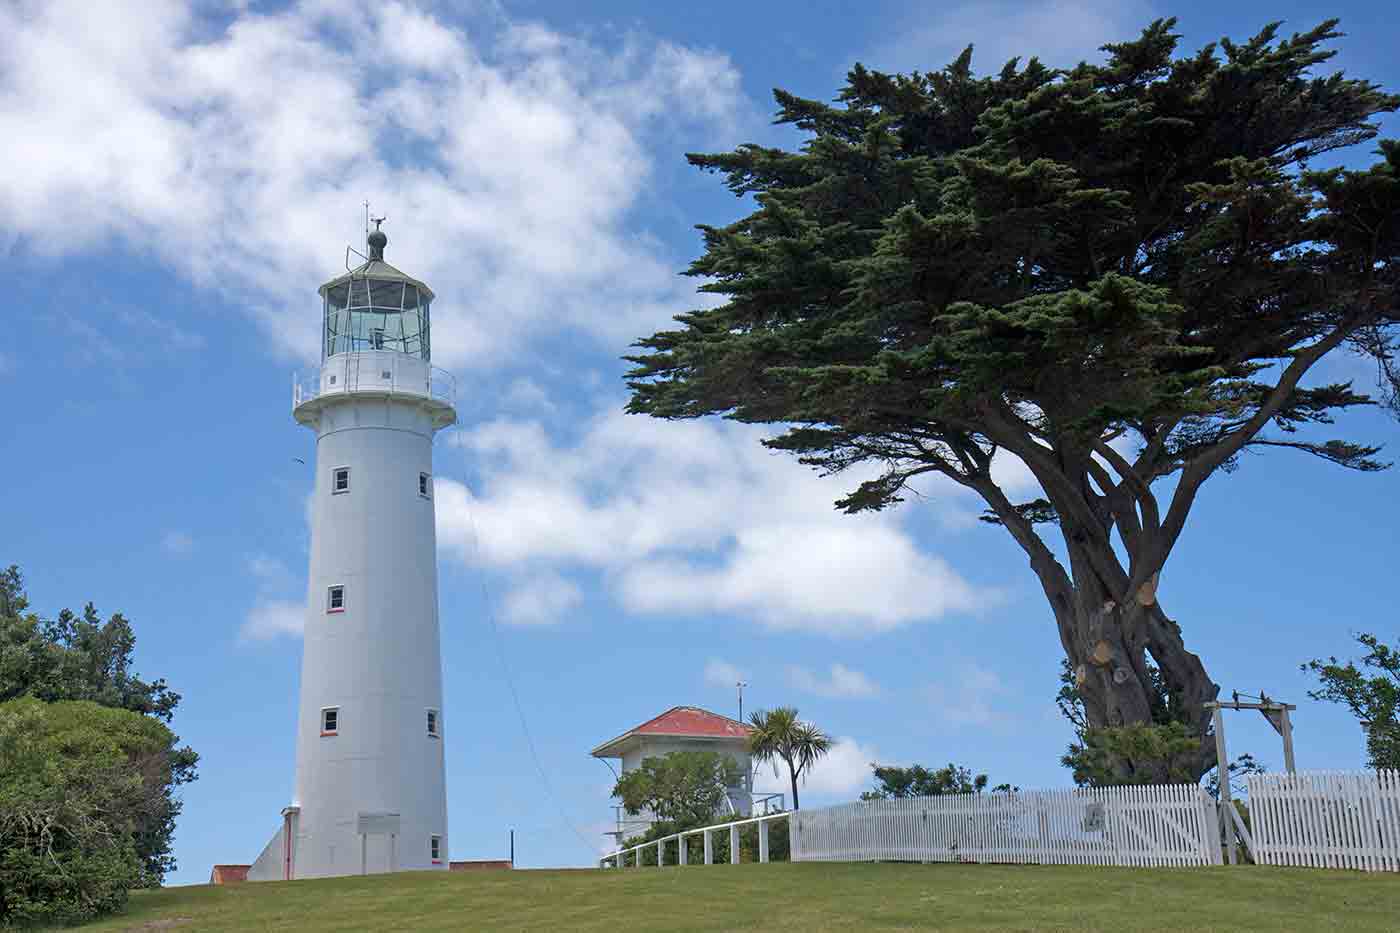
78,781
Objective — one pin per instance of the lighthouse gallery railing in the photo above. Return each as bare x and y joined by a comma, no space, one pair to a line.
375,371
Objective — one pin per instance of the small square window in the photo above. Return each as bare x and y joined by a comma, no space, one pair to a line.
340,480
435,849
330,720
332,380
385,374
424,486
335,599
433,724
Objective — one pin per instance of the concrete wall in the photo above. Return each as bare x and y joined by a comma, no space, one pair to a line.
379,660
269,865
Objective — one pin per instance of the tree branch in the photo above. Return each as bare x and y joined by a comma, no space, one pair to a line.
1199,468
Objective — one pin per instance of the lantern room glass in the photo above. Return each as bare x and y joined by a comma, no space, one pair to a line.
368,313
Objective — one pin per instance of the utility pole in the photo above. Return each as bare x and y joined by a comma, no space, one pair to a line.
741,685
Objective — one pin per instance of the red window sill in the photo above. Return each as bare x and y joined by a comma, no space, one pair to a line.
324,734
437,861
328,611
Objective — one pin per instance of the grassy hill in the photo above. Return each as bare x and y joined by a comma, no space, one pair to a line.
779,897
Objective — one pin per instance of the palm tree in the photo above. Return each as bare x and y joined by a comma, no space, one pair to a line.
780,734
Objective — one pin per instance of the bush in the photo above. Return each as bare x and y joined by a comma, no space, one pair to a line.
1134,754
78,782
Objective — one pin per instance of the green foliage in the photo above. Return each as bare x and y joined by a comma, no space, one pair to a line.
1119,273
1136,754
781,735
82,657
1373,700
77,783
893,782
683,789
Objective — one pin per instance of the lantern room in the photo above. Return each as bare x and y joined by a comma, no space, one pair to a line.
376,307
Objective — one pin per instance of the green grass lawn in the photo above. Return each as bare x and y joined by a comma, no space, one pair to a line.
775,897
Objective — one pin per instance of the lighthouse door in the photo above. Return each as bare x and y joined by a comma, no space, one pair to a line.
379,838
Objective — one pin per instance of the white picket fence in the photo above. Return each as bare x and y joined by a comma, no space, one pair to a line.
1326,819
1163,825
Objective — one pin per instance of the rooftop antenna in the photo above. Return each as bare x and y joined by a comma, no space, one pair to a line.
741,685
368,253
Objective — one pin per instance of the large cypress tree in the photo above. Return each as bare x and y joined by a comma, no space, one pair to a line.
1118,273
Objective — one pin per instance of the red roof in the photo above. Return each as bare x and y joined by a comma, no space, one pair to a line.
687,721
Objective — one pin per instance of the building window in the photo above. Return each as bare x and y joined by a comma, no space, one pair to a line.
340,480
330,720
433,724
335,599
435,849
424,486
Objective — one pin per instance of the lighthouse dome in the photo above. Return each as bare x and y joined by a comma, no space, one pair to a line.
376,307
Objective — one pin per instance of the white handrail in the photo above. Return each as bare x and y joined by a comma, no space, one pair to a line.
620,856
433,382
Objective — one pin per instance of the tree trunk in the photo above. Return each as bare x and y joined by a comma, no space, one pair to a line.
1108,641
792,776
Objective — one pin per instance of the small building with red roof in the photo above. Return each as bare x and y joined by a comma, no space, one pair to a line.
682,729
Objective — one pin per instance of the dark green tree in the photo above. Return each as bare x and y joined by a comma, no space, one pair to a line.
781,736
1373,699
1120,274
893,782
682,789
77,783
84,658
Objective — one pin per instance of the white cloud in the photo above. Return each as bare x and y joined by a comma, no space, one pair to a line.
723,674
271,615
177,543
274,618
844,771
237,149
543,599
841,683
525,395
971,697
1060,32
693,517
269,570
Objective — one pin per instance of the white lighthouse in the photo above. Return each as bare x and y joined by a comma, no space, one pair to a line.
370,785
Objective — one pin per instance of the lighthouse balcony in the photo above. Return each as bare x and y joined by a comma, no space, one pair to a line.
375,374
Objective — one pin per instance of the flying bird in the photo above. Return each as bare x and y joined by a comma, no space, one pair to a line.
299,460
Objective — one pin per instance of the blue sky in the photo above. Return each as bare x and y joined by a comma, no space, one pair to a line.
180,183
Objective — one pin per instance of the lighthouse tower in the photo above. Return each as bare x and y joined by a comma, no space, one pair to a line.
370,786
